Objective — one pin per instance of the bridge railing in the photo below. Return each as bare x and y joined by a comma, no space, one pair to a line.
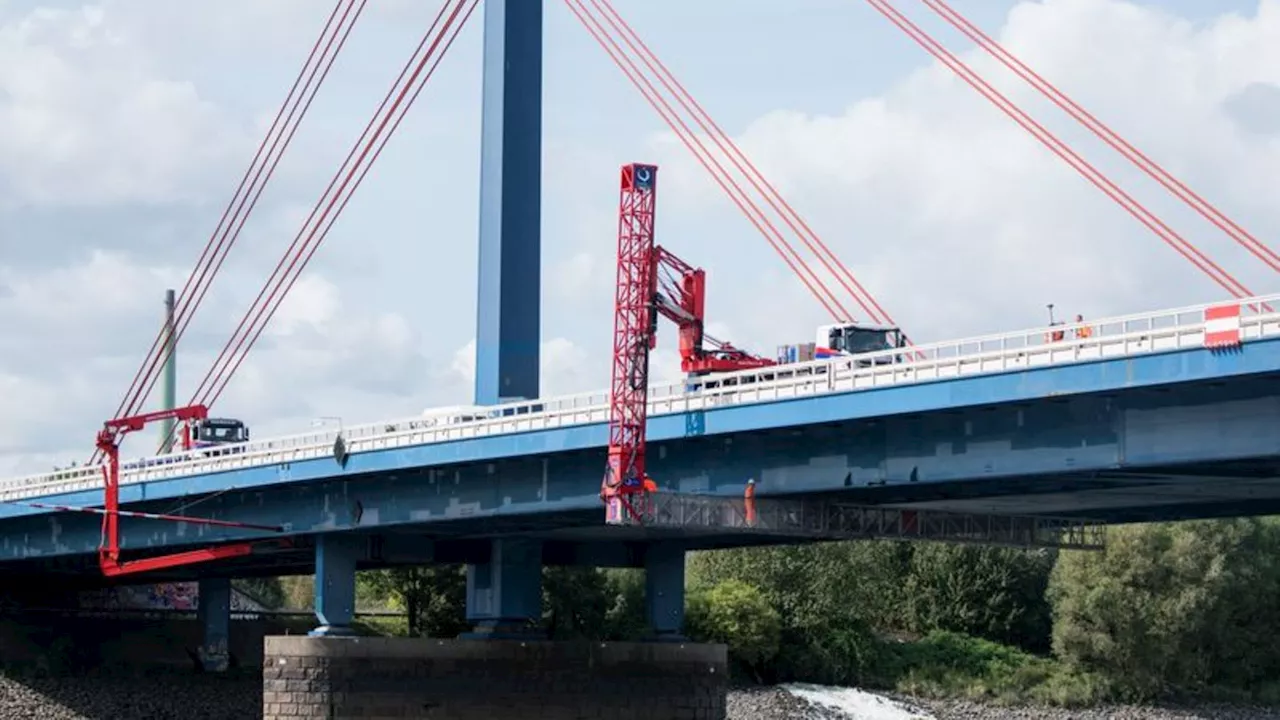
1007,352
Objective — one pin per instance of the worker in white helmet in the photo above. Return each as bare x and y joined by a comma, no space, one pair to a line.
749,501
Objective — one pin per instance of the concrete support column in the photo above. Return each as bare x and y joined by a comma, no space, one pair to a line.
214,610
335,599
510,264
664,590
504,595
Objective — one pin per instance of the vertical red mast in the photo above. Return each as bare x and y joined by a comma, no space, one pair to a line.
633,337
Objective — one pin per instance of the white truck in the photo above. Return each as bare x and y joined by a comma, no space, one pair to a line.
848,338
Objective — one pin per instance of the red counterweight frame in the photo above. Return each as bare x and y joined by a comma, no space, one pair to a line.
108,442
651,282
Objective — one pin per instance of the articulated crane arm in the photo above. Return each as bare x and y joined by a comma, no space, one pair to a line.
680,296
108,442
652,283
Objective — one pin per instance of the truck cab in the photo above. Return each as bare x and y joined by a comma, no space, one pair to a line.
212,432
858,339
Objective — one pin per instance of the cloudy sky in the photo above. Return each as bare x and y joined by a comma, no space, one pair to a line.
126,124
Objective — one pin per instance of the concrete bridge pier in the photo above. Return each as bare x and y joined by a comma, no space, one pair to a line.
664,590
505,668
504,594
335,588
214,612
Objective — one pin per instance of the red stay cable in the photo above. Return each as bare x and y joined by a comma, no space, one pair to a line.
775,238
149,371
752,173
1146,164
181,322
131,393
341,207
1186,249
293,248
317,235
382,143
295,251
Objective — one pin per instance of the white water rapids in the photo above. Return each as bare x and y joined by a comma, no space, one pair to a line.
853,704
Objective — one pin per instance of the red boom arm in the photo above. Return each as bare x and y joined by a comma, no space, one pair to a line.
651,282
681,296
109,552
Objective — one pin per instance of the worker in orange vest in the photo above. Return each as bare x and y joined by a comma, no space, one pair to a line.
1084,331
749,501
650,487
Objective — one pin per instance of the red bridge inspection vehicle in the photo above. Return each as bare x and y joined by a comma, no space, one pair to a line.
652,283
191,419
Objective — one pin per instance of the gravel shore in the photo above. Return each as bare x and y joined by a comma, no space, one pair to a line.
187,696
157,696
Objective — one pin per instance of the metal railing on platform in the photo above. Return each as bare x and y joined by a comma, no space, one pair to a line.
833,520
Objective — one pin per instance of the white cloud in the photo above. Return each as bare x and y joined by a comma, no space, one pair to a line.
954,218
95,293
959,222
89,118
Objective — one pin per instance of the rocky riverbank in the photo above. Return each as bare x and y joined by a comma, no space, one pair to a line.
157,696
186,696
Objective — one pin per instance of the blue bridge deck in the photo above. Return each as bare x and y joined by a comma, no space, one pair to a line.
1127,425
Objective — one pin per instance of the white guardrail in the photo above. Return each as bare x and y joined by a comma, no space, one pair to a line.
1010,352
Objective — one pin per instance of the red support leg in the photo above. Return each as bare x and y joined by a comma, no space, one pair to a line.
633,334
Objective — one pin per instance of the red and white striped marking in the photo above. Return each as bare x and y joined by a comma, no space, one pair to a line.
146,515
1222,326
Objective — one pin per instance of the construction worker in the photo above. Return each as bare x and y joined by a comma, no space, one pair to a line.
645,501
1083,331
749,502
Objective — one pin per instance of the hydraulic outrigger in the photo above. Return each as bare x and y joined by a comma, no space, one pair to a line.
108,442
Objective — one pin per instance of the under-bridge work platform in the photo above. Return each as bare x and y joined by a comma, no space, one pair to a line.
824,519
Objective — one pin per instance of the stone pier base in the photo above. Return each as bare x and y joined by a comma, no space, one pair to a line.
366,678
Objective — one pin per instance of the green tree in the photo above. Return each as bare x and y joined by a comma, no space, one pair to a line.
432,596
299,591
625,619
827,597
266,590
738,615
1182,606
575,603
990,592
